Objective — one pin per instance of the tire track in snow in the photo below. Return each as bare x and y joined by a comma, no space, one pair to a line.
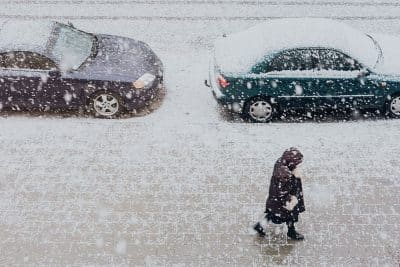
184,18
206,12
216,2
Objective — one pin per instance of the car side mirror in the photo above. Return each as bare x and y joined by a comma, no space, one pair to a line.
363,73
54,74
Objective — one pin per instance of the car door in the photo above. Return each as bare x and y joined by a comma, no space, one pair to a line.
32,80
343,81
6,83
15,80
291,72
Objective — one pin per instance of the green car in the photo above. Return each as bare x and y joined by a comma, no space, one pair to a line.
305,64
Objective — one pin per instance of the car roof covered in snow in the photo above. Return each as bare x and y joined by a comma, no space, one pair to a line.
25,36
238,52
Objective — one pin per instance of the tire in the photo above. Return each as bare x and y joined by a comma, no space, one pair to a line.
393,106
107,105
259,109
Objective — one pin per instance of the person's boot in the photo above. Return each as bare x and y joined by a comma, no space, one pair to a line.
293,234
259,229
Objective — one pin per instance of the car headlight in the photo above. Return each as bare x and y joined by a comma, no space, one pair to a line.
145,81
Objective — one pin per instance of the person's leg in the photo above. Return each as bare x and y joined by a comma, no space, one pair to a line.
292,231
261,225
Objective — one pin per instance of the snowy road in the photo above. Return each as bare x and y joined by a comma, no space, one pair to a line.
183,185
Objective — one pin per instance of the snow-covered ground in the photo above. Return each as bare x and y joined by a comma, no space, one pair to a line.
182,185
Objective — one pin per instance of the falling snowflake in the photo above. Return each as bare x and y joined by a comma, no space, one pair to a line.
298,89
99,242
44,77
120,248
67,97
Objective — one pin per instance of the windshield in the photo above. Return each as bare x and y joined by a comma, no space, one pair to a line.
71,47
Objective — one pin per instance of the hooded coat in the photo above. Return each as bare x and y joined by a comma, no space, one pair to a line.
283,186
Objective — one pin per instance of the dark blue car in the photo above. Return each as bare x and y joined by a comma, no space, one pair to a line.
53,65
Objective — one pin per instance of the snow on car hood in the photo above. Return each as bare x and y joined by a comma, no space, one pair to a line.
390,63
238,52
119,58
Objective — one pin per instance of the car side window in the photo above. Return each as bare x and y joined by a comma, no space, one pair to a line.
293,60
333,60
25,60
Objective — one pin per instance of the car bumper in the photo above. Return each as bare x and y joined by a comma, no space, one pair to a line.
222,99
137,99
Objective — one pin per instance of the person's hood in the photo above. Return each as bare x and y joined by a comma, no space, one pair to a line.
291,158
119,59
390,62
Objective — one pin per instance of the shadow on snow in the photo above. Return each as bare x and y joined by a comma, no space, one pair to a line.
151,106
323,116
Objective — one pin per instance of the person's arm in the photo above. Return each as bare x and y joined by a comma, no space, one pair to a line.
285,185
286,189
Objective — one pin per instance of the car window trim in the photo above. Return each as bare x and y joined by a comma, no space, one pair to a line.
316,73
324,96
25,70
363,66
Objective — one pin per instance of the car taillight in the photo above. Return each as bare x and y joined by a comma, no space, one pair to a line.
222,81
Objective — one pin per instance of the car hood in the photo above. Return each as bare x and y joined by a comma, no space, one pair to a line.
119,59
390,63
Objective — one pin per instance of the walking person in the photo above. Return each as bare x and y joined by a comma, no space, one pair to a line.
285,199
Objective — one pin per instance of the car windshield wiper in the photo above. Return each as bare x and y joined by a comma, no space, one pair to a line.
95,46
378,47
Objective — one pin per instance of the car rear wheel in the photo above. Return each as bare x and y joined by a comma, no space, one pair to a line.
259,109
106,105
394,106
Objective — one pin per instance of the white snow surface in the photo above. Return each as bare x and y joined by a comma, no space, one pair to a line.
238,52
182,185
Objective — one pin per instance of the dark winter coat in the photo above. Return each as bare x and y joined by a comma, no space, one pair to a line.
284,185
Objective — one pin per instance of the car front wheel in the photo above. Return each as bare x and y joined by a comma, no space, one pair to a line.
394,106
106,105
259,109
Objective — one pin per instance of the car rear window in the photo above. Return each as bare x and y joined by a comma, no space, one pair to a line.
25,60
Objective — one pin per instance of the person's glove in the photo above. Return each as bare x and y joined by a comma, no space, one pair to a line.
298,173
292,203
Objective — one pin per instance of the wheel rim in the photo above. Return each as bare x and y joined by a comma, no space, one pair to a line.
106,104
395,106
260,110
